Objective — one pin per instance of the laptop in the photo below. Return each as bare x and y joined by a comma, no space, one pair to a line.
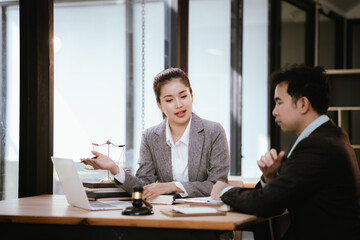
74,190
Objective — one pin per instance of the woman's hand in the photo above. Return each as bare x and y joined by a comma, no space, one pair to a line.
155,189
217,189
101,161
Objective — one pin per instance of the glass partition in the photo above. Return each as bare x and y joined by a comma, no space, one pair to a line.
293,26
326,42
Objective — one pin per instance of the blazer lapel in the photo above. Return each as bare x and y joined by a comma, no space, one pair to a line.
162,153
196,142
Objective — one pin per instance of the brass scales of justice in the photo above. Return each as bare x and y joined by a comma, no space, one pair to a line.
121,163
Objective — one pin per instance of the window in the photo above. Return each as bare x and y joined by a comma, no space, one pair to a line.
91,94
9,106
255,141
93,72
89,73
331,39
326,42
293,24
209,60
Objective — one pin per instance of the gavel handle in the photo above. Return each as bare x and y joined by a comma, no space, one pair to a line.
147,204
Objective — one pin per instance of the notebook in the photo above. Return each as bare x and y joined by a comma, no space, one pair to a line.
74,190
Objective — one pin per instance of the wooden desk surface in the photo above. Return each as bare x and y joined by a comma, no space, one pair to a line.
54,209
248,182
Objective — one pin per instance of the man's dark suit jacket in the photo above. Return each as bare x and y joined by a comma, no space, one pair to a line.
319,185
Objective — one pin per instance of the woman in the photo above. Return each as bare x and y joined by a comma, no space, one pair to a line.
184,154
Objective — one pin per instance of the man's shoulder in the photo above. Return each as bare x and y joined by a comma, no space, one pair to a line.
328,133
327,128
328,140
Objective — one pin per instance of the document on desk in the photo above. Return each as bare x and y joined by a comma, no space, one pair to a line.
204,200
166,199
194,210
181,211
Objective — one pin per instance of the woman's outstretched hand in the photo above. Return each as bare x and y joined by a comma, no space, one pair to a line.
101,161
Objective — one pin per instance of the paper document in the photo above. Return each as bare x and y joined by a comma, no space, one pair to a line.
192,210
117,189
206,200
162,199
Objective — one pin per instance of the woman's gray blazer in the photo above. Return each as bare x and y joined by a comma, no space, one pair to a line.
208,159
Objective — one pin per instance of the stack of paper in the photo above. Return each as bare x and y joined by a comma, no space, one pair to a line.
193,210
205,200
208,201
162,199
186,211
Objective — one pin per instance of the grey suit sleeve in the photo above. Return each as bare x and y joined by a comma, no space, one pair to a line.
217,164
146,172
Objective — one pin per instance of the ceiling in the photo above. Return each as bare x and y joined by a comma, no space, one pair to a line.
343,5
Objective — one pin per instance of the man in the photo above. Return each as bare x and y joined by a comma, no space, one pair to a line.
319,180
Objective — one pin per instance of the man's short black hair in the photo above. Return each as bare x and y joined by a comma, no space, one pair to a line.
304,81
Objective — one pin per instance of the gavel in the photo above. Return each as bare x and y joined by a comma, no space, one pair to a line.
137,202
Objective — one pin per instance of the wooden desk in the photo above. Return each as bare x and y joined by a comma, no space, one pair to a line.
248,182
51,215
